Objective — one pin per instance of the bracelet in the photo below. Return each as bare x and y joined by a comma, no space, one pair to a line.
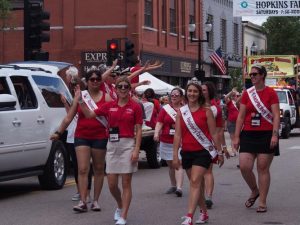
275,133
58,133
80,101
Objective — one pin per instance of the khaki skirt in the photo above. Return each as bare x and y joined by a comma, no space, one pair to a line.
118,157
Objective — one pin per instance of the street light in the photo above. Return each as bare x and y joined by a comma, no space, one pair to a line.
200,73
253,49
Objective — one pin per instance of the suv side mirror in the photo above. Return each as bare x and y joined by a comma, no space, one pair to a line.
7,102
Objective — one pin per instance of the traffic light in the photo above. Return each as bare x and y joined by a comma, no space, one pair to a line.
130,59
35,30
112,51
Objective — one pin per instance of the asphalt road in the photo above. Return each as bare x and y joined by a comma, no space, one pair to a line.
23,203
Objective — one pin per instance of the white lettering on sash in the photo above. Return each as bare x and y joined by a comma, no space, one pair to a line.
197,132
259,105
92,106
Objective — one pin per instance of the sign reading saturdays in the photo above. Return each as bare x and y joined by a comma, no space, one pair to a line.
276,65
266,8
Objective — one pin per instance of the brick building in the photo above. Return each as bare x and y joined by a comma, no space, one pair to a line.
158,28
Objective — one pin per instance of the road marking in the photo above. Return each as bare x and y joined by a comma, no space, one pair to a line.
294,147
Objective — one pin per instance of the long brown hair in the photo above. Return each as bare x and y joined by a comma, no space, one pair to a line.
201,99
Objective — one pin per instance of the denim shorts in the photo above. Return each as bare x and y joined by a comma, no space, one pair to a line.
92,143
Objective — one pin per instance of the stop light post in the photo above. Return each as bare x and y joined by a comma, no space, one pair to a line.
35,30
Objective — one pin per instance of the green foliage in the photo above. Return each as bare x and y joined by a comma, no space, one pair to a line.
283,35
5,8
236,78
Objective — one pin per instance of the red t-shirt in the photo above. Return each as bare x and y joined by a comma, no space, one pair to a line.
90,128
124,117
168,123
268,97
219,120
108,89
189,143
233,112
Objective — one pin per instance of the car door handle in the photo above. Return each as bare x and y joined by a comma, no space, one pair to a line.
41,120
17,122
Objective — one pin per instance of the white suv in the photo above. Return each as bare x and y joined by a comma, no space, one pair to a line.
30,111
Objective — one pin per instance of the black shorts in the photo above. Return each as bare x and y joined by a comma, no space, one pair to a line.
200,158
257,142
92,143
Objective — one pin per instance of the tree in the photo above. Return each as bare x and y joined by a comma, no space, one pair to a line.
4,11
236,78
283,35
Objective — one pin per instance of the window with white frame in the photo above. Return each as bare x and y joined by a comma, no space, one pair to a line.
223,35
210,44
236,38
173,16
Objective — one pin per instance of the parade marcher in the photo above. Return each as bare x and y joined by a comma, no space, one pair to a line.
151,106
256,134
72,80
232,100
209,93
164,132
90,140
124,117
195,129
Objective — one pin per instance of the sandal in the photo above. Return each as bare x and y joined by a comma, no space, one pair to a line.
250,202
261,209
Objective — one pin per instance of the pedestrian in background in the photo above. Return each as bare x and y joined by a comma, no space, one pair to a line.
124,118
256,134
232,100
209,93
90,140
195,129
164,133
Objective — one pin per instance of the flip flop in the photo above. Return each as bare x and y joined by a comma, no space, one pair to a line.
261,209
250,202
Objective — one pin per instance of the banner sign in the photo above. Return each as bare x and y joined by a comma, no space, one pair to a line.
276,65
266,8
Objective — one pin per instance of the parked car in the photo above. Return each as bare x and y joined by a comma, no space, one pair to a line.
30,111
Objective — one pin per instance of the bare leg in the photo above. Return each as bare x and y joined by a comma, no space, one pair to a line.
114,189
179,177
246,167
127,193
98,156
83,154
209,181
263,168
171,173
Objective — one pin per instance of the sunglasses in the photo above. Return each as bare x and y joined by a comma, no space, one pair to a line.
95,79
123,86
113,76
253,74
175,95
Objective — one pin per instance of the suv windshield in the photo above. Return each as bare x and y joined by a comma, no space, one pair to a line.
51,88
282,96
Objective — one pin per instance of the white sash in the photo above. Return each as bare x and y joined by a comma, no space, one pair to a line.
197,132
234,104
92,106
259,105
111,93
171,112
148,108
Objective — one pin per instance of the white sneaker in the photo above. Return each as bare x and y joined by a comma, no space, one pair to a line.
121,221
117,215
76,197
186,220
203,218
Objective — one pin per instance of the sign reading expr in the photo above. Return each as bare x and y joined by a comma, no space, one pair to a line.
266,8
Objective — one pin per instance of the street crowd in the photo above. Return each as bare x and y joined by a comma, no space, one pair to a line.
106,119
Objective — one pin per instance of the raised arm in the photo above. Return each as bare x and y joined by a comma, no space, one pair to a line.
109,71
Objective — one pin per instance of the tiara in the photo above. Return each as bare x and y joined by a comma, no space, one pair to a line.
194,80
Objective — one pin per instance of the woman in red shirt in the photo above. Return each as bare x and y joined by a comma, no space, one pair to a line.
195,127
90,141
164,132
256,134
125,120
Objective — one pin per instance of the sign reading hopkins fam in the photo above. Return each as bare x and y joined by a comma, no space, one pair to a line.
266,8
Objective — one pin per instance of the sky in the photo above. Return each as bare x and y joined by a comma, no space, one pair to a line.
255,19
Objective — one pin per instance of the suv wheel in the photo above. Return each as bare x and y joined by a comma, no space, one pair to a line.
55,172
286,130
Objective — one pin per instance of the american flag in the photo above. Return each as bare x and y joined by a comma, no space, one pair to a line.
217,59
